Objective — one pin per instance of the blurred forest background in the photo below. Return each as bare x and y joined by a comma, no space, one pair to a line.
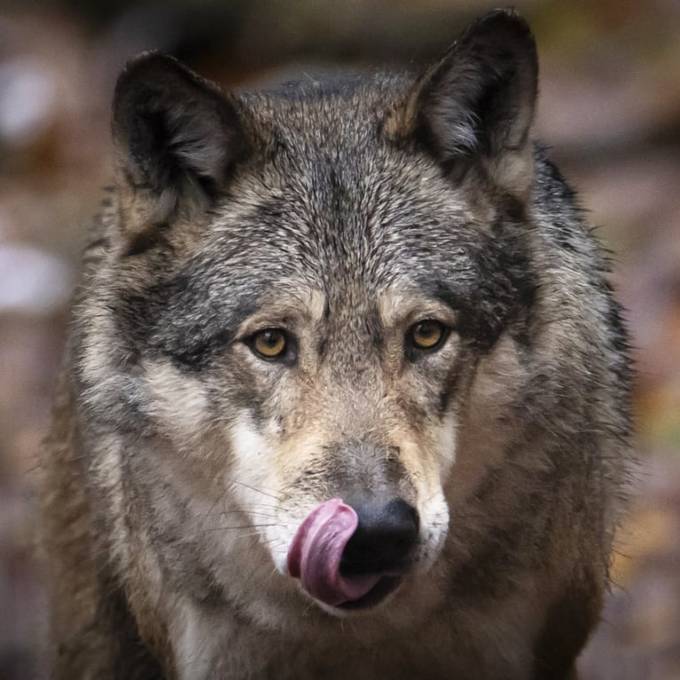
609,107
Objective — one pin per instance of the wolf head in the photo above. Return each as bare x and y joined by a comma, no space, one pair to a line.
309,297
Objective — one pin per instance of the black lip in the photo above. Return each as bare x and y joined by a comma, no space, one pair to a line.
385,586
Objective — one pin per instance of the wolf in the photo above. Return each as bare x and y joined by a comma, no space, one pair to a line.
346,394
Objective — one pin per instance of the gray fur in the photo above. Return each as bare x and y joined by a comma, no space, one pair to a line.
326,206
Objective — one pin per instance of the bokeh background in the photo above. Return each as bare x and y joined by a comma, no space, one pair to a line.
609,107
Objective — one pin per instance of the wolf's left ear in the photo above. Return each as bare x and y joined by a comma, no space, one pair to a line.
477,103
176,136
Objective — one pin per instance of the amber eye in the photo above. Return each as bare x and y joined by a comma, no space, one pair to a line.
428,334
270,343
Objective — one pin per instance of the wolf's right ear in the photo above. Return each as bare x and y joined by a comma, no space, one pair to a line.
176,136
476,105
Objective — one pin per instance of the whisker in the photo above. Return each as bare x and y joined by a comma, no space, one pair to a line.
266,515
266,506
252,488
252,534
244,526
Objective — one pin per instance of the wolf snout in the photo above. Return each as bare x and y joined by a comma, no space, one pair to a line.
353,557
384,540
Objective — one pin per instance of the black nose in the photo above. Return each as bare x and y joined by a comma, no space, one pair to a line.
383,541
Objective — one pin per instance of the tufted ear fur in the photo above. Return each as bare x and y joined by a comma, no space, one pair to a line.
476,105
176,136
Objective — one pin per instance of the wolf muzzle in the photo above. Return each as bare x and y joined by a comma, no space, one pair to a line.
353,557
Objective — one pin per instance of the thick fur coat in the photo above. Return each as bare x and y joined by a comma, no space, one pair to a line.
366,288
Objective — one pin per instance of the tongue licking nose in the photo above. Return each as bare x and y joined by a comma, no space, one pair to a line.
315,554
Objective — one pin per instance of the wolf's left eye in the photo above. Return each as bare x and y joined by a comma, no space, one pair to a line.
427,335
270,343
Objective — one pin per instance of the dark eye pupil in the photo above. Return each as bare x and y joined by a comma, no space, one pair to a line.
427,328
271,338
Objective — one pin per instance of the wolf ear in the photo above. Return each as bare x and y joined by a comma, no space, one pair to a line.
477,103
176,136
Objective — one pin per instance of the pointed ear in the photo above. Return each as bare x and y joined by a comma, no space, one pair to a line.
477,103
176,137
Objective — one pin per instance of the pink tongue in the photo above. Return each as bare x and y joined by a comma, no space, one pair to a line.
315,553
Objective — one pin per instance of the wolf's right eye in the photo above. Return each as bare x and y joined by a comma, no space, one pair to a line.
427,335
270,343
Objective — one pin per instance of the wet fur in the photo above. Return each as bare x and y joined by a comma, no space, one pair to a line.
179,464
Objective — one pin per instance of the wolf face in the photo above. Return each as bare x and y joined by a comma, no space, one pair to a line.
310,326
